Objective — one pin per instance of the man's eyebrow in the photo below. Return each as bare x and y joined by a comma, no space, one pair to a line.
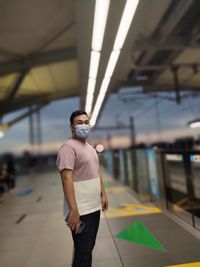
82,120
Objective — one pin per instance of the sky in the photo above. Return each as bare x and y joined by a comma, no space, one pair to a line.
154,120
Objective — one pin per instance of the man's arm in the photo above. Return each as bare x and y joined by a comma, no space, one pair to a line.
104,199
68,189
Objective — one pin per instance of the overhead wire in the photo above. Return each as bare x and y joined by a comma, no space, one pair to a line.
181,109
145,110
168,114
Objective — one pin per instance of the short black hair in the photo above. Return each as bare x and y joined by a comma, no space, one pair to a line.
77,113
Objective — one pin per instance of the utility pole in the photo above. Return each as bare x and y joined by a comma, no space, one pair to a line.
132,130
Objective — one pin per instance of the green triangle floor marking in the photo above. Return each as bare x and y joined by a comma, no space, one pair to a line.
138,233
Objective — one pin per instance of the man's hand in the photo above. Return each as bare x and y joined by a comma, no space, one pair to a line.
73,219
104,201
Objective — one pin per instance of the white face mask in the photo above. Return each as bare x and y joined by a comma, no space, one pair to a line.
82,130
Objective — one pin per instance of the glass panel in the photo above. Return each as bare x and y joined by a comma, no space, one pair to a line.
121,165
107,161
153,175
176,186
130,168
116,164
195,163
125,168
142,174
134,169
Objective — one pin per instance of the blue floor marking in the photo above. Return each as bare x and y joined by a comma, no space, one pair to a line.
26,192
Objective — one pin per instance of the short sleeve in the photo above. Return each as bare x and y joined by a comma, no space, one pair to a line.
66,158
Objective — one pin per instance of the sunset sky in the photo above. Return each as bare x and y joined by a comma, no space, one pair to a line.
155,120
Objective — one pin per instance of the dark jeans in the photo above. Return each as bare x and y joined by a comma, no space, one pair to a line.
85,241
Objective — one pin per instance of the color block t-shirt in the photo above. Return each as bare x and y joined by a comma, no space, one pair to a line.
83,160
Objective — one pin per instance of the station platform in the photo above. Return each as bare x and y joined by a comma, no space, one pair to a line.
34,234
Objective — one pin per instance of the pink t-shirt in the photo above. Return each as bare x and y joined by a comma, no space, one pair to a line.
83,160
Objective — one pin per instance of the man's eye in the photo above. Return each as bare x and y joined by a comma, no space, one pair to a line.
87,122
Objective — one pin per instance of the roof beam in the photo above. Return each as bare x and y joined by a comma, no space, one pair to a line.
176,15
171,44
13,92
169,88
175,53
26,101
36,60
8,54
23,116
165,66
155,87
56,36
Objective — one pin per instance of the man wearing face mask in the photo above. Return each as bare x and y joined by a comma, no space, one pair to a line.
84,193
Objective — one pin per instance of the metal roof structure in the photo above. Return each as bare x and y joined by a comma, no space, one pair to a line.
45,49
38,54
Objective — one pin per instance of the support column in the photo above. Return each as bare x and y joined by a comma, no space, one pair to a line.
31,128
39,131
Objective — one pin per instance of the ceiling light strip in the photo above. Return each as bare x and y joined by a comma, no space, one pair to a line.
90,93
100,18
100,99
94,64
112,63
125,23
127,17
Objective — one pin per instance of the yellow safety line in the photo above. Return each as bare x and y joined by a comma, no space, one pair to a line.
130,209
194,264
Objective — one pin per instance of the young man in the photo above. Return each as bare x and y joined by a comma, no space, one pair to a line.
83,188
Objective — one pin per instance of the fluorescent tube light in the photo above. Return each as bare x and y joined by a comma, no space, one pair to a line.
92,121
91,86
96,110
112,63
127,16
194,124
89,101
99,101
100,18
90,95
94,64
1,134
104,86
125,23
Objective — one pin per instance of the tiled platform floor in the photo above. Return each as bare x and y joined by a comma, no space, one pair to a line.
41,238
